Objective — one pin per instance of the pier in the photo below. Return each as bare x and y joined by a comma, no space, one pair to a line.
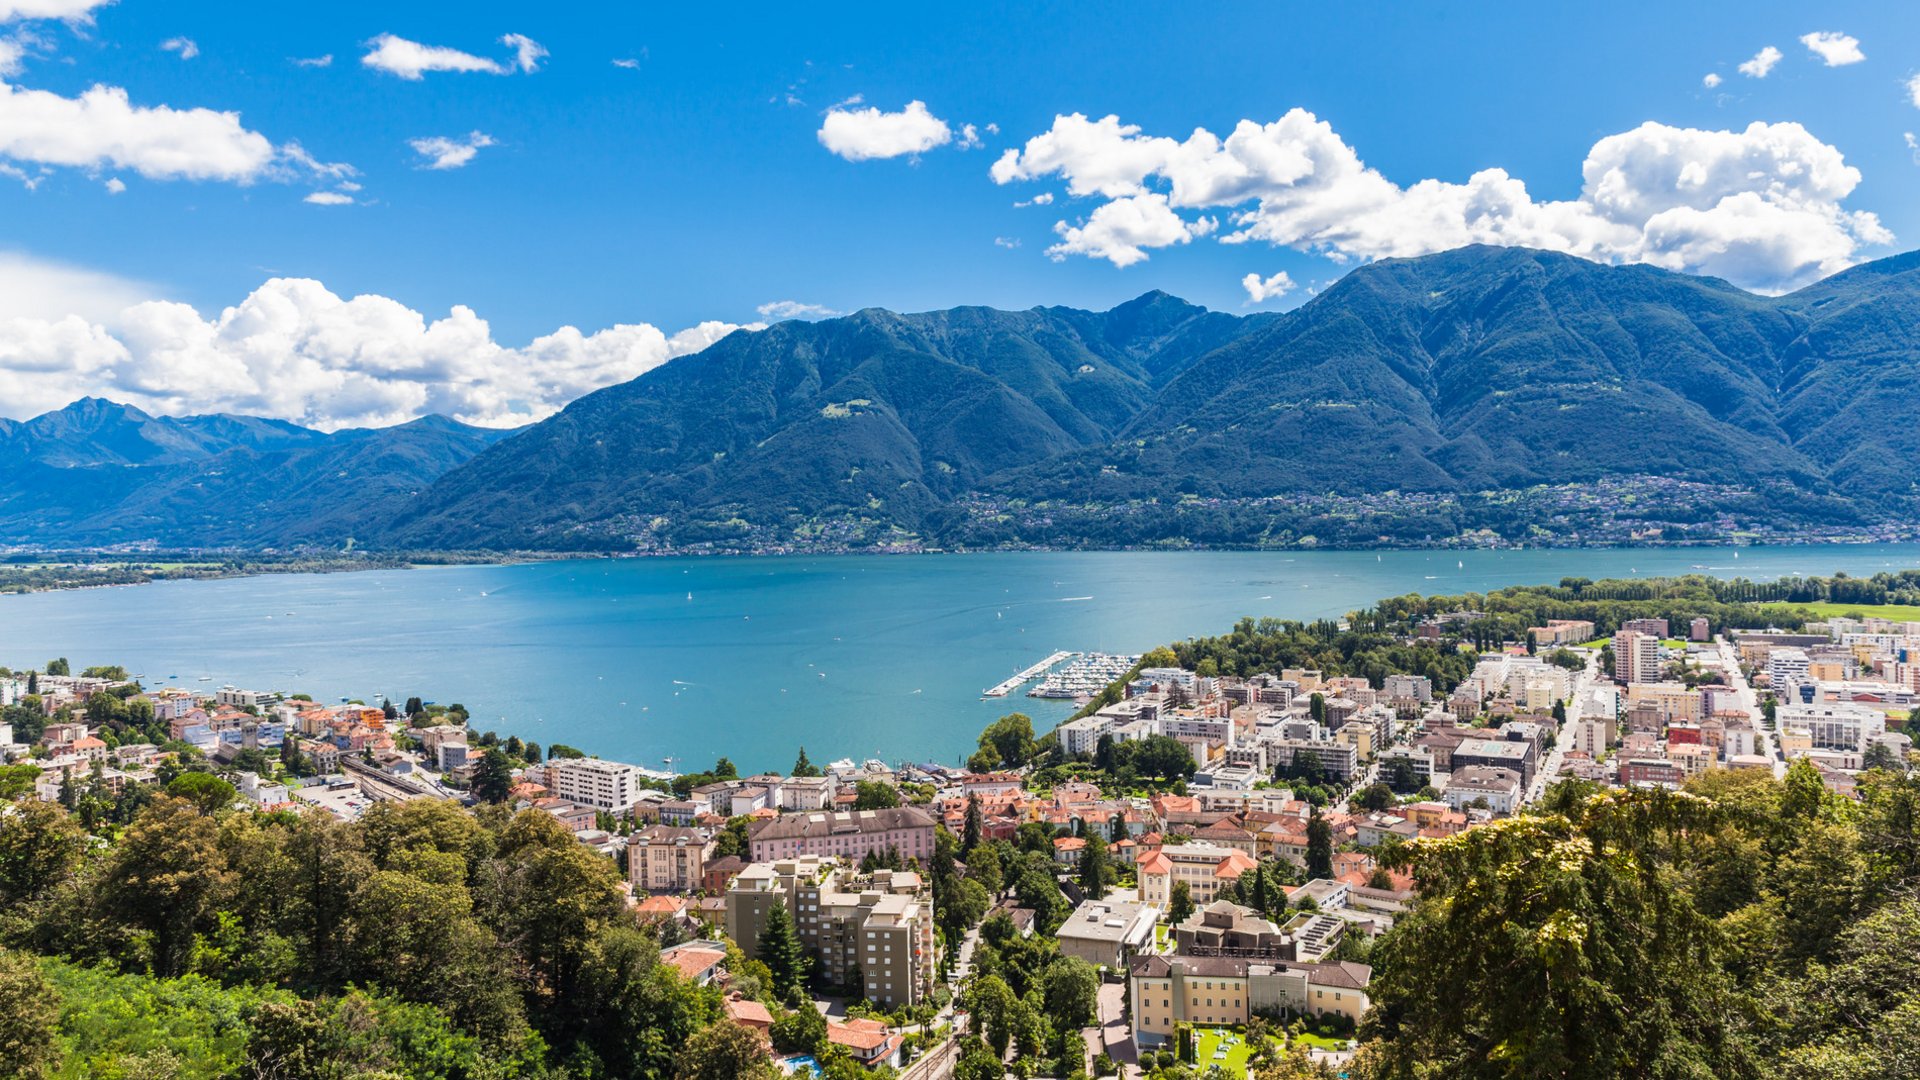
1034,672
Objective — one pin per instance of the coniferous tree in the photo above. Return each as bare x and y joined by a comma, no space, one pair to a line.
802,766
970,836
1319,847
781,951
1093,867
493,777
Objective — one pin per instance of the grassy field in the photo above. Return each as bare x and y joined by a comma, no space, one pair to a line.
1208,1040
1896,612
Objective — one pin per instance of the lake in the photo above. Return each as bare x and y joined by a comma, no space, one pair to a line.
861,656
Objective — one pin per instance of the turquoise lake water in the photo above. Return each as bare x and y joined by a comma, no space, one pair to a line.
859,656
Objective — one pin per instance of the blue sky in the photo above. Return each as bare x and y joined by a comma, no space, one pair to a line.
691,184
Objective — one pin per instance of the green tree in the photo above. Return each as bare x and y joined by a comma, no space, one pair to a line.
723,1051
493,777
875,795
970,834
1011,739
1556,944
59,667
636,1012
1375,796
781,951
207,792
165,879
40,847
991,1003
29,1018
977,1061
804,767
1319,847
800,1031
1317,707
1071,988
1180,906
1094,869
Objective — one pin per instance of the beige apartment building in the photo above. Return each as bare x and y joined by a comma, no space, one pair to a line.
873,934
1222,990
1204,867
668,858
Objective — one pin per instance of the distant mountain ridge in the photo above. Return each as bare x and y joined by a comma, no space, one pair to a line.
1477,370
98,472
1477,392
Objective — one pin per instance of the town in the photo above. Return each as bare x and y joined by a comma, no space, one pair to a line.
1188,877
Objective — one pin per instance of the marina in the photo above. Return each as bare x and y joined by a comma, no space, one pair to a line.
1028,675
1087,675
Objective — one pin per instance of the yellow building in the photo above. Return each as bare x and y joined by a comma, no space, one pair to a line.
1224,991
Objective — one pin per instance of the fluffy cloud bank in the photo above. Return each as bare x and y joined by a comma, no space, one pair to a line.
293,349
866,134
411,60
1761,207
103,129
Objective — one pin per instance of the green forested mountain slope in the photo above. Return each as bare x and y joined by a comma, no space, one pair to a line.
1476,370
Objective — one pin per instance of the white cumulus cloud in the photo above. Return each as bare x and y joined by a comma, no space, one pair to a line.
866,134
103,129
412,60
1121,230
185,46
323,60
329,198
1710,80
443,152
1913,91
1260,290
116,186
1836,50
1681,198
1761,64
74,11
294,349
794,309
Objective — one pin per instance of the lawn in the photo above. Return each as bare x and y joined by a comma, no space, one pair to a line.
1207,1040
1896,612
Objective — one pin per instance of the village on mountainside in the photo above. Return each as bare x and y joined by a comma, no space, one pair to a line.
1189,873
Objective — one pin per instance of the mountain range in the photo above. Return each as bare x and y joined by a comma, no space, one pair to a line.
100,473
1415,399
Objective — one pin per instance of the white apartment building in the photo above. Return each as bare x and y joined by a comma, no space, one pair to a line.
603,785
1417,687
1834,725
1784,668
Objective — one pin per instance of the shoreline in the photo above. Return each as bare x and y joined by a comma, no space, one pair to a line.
17,578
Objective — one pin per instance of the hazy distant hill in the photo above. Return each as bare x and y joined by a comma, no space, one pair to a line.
1416,399
101,473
